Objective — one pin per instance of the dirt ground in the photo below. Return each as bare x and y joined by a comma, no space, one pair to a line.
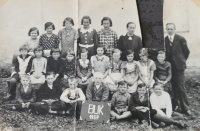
23,121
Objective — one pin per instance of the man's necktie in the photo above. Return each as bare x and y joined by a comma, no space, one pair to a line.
170,38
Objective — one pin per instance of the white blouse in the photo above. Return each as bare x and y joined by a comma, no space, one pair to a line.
161,102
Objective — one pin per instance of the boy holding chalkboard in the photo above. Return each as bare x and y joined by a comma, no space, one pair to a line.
120,102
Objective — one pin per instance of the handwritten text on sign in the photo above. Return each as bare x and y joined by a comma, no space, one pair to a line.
96,111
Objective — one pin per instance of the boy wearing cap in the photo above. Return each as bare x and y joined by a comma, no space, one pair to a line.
120,102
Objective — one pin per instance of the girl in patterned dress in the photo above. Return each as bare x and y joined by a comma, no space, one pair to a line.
107,37
39,66
33,41
130,71
146,69
69,68
100,62
68,36
84,70
115,71
49,40
87,37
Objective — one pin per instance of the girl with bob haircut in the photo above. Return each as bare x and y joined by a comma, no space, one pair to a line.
107,37
55,64
49,40
100,62
69,68
87,37
115,72
68,36
146,69
39,66
84,70
33,41
163,72
130,71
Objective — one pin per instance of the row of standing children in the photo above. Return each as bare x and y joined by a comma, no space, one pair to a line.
70,39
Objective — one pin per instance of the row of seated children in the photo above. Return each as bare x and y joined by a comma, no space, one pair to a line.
123,104
49,98
158,108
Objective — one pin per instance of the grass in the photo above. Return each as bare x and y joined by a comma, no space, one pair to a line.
23,121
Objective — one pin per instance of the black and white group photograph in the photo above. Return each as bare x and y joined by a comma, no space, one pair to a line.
90,65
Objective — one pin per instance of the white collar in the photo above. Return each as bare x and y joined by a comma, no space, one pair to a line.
84,65
85,31
172,36
13,73
50,86
97,86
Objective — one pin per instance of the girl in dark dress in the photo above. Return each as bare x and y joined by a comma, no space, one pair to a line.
55,64
87,37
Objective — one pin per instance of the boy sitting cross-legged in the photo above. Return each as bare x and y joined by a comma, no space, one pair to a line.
25,94
120,101
49,92
73,97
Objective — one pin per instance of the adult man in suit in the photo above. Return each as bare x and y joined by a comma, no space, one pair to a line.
177,53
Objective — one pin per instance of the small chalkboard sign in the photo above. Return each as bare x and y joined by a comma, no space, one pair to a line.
96,111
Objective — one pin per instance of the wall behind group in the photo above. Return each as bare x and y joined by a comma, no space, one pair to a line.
18,16
188,28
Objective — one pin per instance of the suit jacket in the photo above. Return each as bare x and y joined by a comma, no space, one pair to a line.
135,101
100,94
45,92
177,52
23,96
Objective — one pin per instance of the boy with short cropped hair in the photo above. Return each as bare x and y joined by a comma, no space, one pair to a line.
25,93
97,90
49,91
73,97
120,102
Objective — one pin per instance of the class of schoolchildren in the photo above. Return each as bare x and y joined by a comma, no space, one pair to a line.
92,65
